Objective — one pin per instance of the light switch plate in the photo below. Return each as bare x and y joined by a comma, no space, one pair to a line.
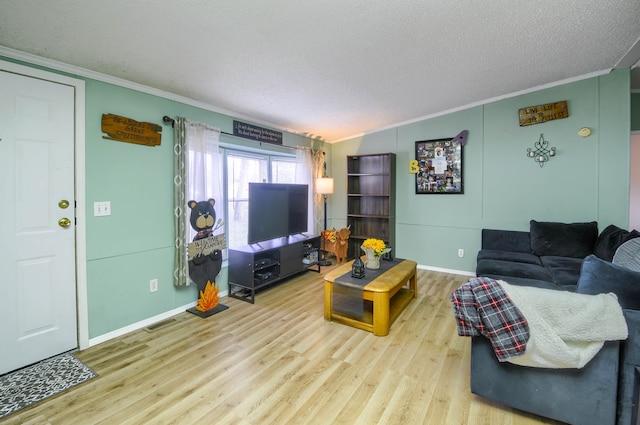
101,209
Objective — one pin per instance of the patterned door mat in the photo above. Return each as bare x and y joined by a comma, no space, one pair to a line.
34,383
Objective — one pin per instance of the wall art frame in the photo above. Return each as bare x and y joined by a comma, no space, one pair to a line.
439,167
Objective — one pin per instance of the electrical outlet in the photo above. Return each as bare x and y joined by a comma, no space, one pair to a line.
153,285
460,252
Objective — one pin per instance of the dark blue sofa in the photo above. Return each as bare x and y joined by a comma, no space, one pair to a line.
572,257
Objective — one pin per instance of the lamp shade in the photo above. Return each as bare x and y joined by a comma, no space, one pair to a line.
324,185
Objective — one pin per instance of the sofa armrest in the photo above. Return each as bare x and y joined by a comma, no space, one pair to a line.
584,396
629,371
506,240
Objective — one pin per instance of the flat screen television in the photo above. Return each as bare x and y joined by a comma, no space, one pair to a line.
298,208
276,210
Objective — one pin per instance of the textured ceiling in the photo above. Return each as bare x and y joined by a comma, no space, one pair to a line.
330,69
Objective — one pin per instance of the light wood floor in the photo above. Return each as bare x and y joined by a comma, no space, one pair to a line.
279,362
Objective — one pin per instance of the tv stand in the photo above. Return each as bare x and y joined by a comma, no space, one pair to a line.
252,269
258,245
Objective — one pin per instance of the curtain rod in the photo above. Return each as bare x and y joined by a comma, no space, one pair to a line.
167,119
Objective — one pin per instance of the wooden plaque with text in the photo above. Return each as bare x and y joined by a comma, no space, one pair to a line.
543,113
125,129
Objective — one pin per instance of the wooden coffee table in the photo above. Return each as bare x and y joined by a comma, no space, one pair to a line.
389,294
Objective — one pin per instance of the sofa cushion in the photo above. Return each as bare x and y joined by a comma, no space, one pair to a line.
565,271
563,240
509,268
506,240
516,257
553,261
523,281
610,239
563,276
598,276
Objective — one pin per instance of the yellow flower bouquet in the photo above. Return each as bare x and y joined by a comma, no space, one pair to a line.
376,245
330,235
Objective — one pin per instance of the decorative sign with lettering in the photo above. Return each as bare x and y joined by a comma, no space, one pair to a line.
543,113
127,130
259,134
206,246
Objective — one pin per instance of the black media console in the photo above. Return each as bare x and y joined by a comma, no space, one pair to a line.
256,266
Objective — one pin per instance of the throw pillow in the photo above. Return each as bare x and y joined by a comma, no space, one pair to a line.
600,277
609,240
563,239
628,255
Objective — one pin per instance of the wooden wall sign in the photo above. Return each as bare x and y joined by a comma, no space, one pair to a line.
206,246
543,113
125,129
253,132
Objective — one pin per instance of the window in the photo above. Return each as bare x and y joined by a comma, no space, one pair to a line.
244,168
283,170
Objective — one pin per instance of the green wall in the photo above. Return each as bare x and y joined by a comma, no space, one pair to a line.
503,188
135,243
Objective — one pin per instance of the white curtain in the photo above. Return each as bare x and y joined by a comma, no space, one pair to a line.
304,175
198,177
317,159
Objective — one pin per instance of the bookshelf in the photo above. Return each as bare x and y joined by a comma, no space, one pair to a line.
371,211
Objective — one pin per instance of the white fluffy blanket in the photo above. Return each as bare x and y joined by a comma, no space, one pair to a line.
566,329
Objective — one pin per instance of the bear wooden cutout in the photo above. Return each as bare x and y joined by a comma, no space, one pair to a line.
205,256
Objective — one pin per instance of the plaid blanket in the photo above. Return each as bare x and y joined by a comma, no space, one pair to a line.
481,307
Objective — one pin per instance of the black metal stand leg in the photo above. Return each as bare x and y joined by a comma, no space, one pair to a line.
324,261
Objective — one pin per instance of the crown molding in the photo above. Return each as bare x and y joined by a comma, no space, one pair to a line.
482,102
631,58
98,76
86,73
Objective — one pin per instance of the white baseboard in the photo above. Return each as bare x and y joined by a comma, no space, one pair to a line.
167,314
451,271
144,323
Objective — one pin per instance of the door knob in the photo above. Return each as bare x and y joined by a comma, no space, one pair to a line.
64,222
63,204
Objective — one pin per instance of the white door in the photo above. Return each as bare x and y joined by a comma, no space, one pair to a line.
37,247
